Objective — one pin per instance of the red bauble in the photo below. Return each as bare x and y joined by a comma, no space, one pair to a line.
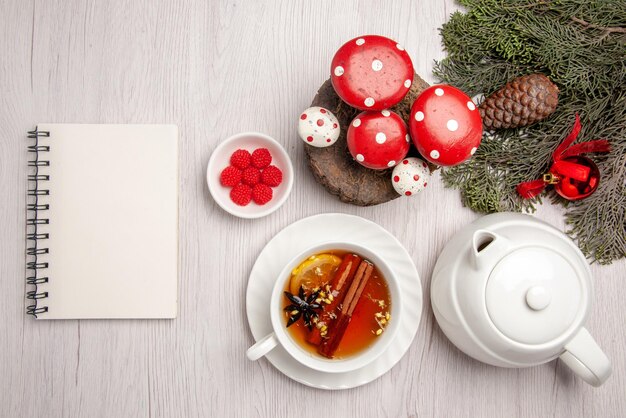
371,72
445,125
575,189
378,140
574,176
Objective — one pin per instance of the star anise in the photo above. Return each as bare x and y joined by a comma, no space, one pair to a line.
302,306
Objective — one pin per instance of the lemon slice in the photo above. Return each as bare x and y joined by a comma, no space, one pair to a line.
313,272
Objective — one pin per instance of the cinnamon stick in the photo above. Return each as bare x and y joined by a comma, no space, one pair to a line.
338,328
341,280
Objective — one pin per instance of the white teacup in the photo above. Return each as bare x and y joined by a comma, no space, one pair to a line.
282,336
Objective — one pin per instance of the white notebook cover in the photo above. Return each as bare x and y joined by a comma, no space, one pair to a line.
113,231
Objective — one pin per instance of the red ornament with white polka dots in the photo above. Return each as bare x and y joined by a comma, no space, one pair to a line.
410,177
445,125
371,72
378,140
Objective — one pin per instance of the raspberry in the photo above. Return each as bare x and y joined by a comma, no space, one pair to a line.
230,176
261,158
261,194
272,176
241,194
251,176
240,159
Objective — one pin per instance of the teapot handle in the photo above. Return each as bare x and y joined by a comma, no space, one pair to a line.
584,356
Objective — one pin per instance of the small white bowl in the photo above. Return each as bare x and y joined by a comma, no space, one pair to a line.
220,159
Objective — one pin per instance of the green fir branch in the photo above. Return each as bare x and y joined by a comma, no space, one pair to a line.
580,46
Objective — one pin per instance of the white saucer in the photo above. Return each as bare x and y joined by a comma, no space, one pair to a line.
314,230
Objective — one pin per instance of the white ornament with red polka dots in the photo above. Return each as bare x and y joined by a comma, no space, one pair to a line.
318,127
410,177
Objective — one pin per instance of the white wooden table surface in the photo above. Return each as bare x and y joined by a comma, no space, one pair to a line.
216,68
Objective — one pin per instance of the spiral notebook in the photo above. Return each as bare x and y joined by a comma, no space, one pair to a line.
102,221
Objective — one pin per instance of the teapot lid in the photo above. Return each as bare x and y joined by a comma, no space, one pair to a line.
535,295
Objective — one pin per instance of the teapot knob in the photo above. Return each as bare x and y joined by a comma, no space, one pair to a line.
538,298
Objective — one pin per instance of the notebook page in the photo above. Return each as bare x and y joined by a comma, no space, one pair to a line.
113,221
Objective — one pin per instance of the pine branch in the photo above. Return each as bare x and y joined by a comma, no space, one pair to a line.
580,46
604,28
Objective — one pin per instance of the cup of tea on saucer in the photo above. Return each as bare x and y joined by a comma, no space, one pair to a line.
334,308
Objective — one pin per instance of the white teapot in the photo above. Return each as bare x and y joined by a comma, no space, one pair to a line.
513,291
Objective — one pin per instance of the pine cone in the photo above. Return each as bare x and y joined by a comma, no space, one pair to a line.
521,102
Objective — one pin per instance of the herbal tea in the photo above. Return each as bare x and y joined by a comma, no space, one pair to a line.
336,304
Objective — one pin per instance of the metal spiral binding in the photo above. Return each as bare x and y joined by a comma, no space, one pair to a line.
34,207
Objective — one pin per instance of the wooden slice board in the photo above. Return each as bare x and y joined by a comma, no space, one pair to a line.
335,169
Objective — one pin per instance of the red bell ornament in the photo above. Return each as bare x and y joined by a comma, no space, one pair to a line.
573,175
578,187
